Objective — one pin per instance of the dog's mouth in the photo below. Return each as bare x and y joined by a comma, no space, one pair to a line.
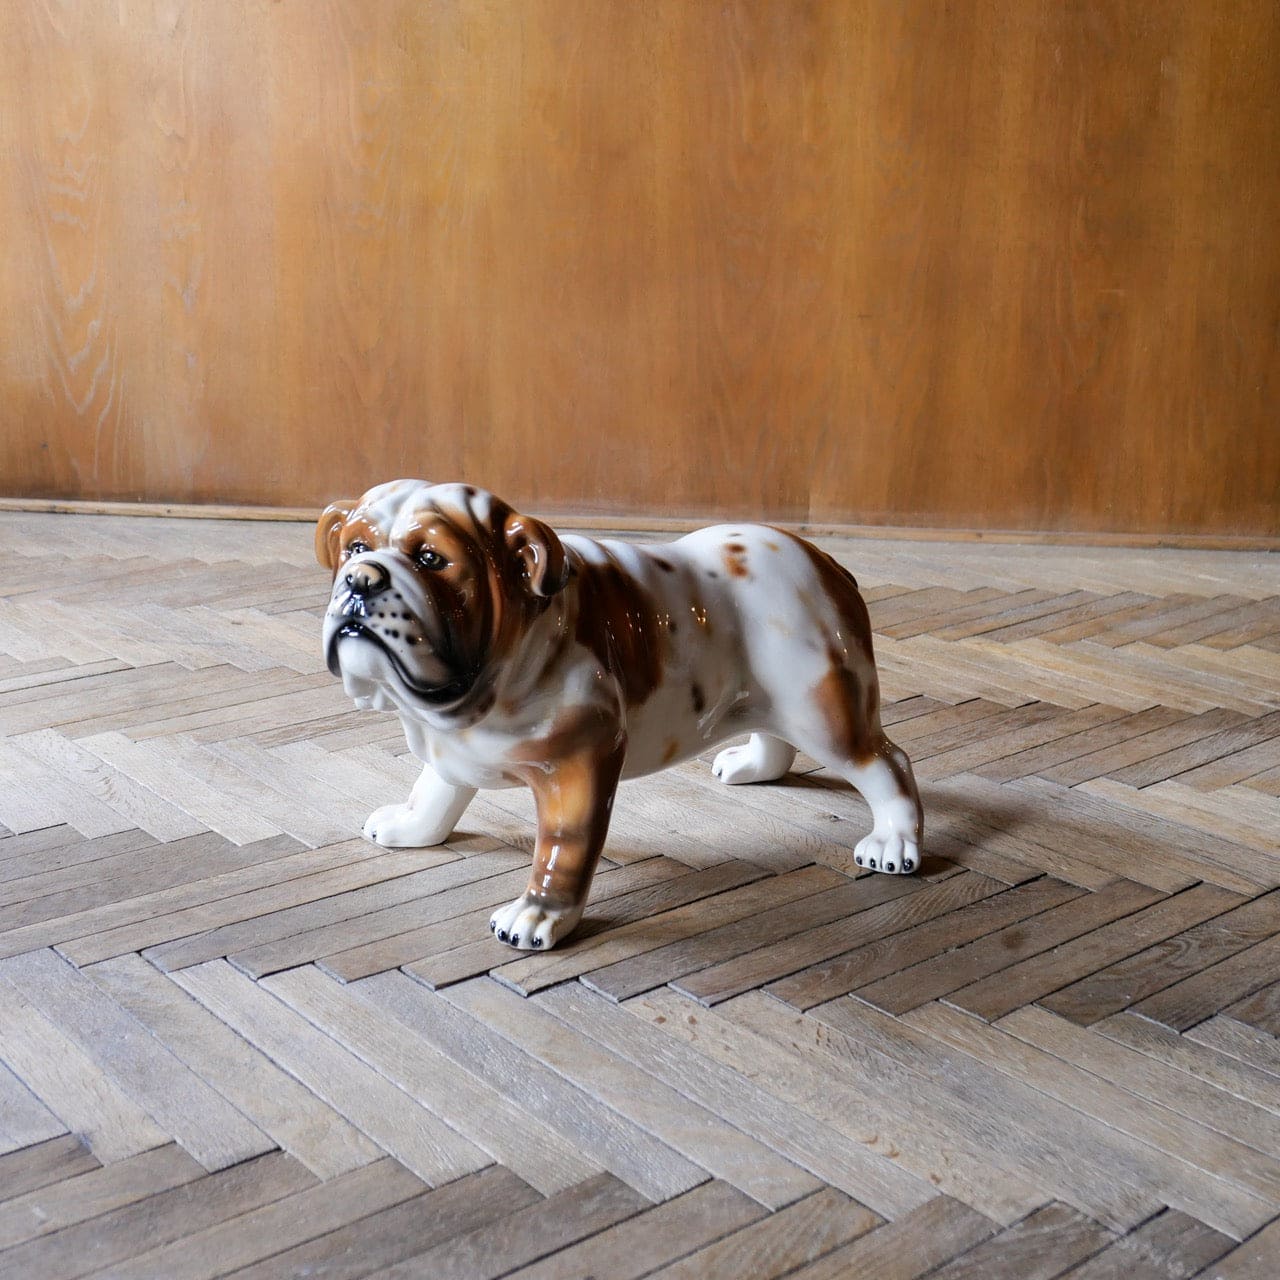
356,627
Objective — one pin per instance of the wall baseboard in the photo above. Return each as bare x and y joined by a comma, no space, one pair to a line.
662,524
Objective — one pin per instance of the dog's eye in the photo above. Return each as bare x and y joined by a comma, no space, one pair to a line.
429,559
357,548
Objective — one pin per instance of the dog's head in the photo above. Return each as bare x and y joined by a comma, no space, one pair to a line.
434,586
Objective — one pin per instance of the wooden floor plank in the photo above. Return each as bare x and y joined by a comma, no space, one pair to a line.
70,1084
179,1101
777,1245
113,1238
270,922
996,945
464,924
1248,1044
1020,1157
493,1250
1037,1248
268,1229
884,909
77,1199
1038,976
405,1230
397,1123
43,1162
1171,1246
1146,1077
623,1148
736,902
1214,989
322,876
611,916
1233,928
529,1149
803,901
24,1119
834,1152
904,1250
694,1131
903,954
658,1236
310,1130
197,946
1231,1188
1231,1077
1253,1260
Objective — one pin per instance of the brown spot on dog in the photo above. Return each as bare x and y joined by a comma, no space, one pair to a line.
735,560
329,531
773,546
841,588
844,703
618,623
699,698
673,750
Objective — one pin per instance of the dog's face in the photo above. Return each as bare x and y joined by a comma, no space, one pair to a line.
433,587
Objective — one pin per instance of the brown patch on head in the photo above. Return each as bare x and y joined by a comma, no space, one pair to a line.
699,698
541,553
672,750
329,532
488,573
617,621
735,560
849,709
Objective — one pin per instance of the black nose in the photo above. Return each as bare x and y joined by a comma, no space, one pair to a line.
366,579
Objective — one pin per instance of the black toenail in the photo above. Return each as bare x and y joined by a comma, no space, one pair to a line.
891,866
502,935
858,860
537,942
908,865
871,862
493,924
515,939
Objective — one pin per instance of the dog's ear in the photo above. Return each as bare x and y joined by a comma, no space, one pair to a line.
546,570
329,530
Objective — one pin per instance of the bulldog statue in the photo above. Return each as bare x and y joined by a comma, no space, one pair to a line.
516,657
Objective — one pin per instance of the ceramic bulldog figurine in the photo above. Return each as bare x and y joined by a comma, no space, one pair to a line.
515,657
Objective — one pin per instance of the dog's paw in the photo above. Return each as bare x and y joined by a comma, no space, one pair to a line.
889,851
397,826
763,758
532,926
735,765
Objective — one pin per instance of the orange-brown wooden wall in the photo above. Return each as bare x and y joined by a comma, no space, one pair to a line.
985,263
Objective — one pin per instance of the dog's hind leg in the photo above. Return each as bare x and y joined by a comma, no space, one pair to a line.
763,759
428,817
839,724
888,785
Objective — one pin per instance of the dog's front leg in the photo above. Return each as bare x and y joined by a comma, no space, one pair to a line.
574,798
429,817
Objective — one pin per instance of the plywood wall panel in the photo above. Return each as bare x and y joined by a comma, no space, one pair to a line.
993,265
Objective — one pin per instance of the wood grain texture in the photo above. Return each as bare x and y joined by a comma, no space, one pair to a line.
1002,265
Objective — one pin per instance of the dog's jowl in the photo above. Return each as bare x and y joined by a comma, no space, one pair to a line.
516,657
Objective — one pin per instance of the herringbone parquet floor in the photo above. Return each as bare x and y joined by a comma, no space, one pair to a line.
237,1039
